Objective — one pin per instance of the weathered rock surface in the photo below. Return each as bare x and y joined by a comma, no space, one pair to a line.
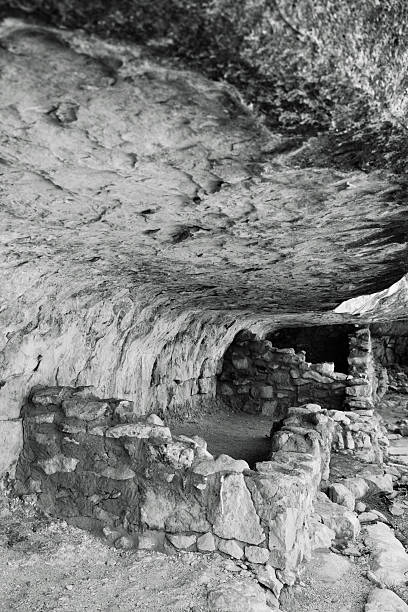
388,559
244,524
145,218
343,522
237,597
384,600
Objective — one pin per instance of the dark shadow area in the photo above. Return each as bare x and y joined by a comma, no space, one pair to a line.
237,434
323,343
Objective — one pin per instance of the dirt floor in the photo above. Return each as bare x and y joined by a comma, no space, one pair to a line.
238,434
47,565
51,566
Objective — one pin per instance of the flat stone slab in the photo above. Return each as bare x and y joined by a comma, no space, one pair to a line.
384,600
388,559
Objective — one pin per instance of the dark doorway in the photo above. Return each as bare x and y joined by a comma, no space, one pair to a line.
322,343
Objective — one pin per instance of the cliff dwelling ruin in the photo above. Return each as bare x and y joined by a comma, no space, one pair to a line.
204,341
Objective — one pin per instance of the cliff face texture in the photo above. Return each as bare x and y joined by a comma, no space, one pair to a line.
146,218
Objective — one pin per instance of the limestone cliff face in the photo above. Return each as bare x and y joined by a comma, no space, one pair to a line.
146,217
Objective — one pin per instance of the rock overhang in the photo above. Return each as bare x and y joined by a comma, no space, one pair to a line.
147,219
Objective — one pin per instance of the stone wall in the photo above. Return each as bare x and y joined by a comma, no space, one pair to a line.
360,433
362,384
260,378
390,343
96,464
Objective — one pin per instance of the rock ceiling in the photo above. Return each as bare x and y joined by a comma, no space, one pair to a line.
149,188
117,170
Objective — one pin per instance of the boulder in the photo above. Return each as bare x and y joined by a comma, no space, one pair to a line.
388,559
384,600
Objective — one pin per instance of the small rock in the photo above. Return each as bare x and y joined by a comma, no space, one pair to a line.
232,548
125,543
380,515
256,554
360,507
151,540
153,419
230,566
181,541
286,577
384,600
373,578
265,574
367,517
206,542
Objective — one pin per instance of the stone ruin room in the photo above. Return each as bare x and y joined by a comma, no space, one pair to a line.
203,306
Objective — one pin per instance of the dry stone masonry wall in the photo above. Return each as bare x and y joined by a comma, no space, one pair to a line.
97,464
260,378
362,384
361,434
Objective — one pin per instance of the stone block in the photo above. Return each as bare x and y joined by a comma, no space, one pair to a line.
321,536
58,463
266,392
388,559
84,409
326,368
269,408
139,430
228,523
232,548
343,522
315,376
223,463
266,575
151,540
206,542
125,411
11,444
256,554
180,541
